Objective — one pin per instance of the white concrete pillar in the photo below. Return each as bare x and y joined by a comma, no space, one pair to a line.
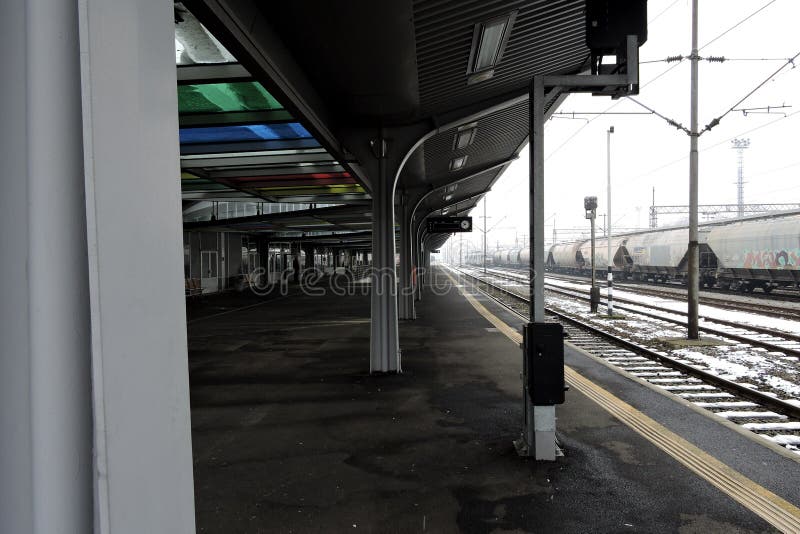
45,388
94,404
144,479
384,341
405,299
419,259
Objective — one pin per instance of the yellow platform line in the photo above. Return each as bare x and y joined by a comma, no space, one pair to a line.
773,509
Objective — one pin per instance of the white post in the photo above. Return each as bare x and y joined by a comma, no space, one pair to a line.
45,368
405,298
384,340
94,399
140,387
609,296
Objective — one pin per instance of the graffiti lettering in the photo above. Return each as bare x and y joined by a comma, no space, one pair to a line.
772,259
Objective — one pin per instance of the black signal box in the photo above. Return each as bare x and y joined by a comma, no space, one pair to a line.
544,353
609,22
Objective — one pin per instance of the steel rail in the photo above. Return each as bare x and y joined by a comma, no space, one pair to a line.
737,337
754,328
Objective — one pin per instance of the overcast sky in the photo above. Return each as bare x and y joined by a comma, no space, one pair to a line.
646,152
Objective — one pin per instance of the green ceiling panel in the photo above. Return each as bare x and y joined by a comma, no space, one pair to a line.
225,97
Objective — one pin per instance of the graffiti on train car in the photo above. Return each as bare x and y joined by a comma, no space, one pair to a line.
771,259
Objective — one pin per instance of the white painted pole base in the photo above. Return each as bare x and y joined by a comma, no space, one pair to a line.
540,441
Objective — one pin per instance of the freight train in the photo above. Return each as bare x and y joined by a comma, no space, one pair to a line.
761,252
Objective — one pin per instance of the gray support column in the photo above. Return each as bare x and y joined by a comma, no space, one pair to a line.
540,421
94,408
419,259
142,447
384,343
406,288
45,368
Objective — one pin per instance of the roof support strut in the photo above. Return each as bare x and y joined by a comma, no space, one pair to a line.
539,422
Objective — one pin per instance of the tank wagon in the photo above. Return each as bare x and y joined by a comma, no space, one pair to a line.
742,255
566,257
761,253
664,255
475,257
622,260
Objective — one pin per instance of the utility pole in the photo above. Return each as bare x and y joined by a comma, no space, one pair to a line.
608,230
590,207
740,145
484,234
694,264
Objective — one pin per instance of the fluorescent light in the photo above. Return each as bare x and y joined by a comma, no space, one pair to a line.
489,40
457,162
489,46
465,135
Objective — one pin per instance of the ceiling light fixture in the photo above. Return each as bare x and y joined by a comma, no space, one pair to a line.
465,135
457,162
489,40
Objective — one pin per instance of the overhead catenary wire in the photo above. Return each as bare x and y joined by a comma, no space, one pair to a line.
710,147
751,15
666,71
716,121
669,121
659,76
651,21
712,59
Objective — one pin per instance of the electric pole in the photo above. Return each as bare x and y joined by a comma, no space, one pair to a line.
608,230
694,264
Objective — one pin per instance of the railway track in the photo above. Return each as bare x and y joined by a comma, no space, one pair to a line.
763,413
770,305
767,338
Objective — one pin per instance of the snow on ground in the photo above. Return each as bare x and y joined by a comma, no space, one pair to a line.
678,304
736,362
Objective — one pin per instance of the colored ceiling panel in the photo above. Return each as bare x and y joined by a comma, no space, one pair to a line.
307,190
225,97
339,177
276,144
295,182
255,132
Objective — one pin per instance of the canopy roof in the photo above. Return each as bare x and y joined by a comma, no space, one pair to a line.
283,124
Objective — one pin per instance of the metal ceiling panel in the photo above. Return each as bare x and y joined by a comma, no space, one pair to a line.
498,136
547,38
